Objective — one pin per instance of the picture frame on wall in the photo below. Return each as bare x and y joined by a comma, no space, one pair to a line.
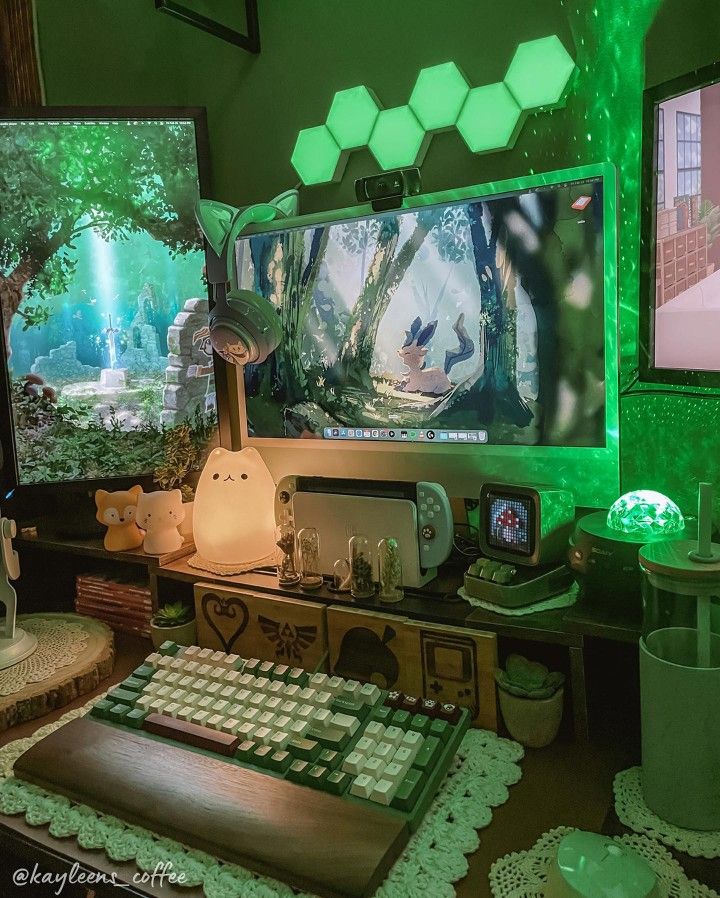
196,18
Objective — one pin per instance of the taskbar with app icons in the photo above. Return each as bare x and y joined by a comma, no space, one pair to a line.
404,435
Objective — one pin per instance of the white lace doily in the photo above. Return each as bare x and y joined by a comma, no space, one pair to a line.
636,815
524,874
228,570
564,600
433,860
60,643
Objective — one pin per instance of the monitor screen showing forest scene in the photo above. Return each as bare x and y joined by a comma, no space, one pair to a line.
472,321
104,305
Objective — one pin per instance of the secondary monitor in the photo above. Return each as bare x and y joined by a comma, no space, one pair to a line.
680,286
468,333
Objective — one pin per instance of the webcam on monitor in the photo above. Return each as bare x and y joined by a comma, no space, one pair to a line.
387,191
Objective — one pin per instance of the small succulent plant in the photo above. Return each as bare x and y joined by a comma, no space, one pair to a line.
528,679
174,614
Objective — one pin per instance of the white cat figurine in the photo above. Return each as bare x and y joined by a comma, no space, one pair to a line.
233,517
159,514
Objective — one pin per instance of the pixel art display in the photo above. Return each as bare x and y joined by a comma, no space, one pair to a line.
509,525
476,321
104,308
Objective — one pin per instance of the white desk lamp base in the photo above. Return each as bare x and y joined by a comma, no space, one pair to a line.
17,649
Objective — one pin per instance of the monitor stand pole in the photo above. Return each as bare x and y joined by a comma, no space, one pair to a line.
15,644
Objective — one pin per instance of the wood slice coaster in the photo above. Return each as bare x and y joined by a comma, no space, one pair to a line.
67,683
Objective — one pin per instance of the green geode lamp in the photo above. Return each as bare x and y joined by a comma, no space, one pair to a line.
646,514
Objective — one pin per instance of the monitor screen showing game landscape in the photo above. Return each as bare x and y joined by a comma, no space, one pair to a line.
475,321
105,311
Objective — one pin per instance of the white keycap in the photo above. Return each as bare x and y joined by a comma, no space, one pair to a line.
186,682
322,718
201,684
221,706
393,735
413,741
218,657
362,786
395,773
214,690
374,730
215,721
384,751
246,681
273,704
228,692
186,713
351,689
306,696
164,692
276,687
232,677
282,722
373,767
344,722
200,718
235,710
159,676
157,706
151,688
217,674
205,703
153,659
257,700
266,719
179,695
370,694
204,654
250,714
384,792
204,670
264,735
292,691
144,702
191,668
289,708
323,700
192,698
365,746
165,662
246,731
230,725
334,685
172,679
279,740
318,680
261,684
230,660
177,664
354,763
305,712
299,728
403,757
190,652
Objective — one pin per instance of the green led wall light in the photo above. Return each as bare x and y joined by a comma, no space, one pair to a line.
488,117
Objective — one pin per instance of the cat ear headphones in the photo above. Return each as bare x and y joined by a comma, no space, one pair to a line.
244,326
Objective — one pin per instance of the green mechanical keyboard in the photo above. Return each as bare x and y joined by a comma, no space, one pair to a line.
339,736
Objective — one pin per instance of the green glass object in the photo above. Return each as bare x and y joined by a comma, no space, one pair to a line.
645,513
438,96
540,72
316,157
599,867
489,119
398,138
352,116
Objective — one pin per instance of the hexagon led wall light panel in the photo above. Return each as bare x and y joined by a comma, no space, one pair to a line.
539,73
352,117
438,96
316,157
398,139
488,117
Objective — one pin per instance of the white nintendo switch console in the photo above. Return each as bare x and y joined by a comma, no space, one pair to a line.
418,515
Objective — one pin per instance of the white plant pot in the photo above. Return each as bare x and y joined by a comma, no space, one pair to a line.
531,721
184,634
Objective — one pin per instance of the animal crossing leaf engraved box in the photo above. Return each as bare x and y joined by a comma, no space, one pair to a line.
255,625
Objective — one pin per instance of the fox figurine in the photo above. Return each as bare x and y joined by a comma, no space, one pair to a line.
118,511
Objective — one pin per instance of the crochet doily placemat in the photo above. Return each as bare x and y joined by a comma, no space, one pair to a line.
228,570
564,600
631,810
60,642
433,860
524,874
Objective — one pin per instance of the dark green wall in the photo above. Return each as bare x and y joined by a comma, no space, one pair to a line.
105,52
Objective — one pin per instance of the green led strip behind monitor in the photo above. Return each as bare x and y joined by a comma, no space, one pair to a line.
680,271
469,335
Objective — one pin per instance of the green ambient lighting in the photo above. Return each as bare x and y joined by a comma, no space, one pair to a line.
539,73
316,156
645,513
398,138
438,96
352,116
488,117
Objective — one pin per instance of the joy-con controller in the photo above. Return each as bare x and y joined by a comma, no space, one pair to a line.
435,524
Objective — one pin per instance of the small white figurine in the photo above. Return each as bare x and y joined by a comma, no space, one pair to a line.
15,644
159,514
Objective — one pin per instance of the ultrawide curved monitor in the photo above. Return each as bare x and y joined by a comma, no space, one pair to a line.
470,334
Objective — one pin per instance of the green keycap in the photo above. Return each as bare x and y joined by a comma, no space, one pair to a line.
429,752
329,758
316,776
245,751
401,719
383,715
123,697
117,713
337,782
261,756
297,771
297,677
144,672
280,672
342,705
101,709
440,729
304,749
134,684
280,761
421,723
134,718
408,791
169,648
330,737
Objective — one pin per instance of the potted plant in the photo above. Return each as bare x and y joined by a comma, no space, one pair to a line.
531,700
175,621
184,448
